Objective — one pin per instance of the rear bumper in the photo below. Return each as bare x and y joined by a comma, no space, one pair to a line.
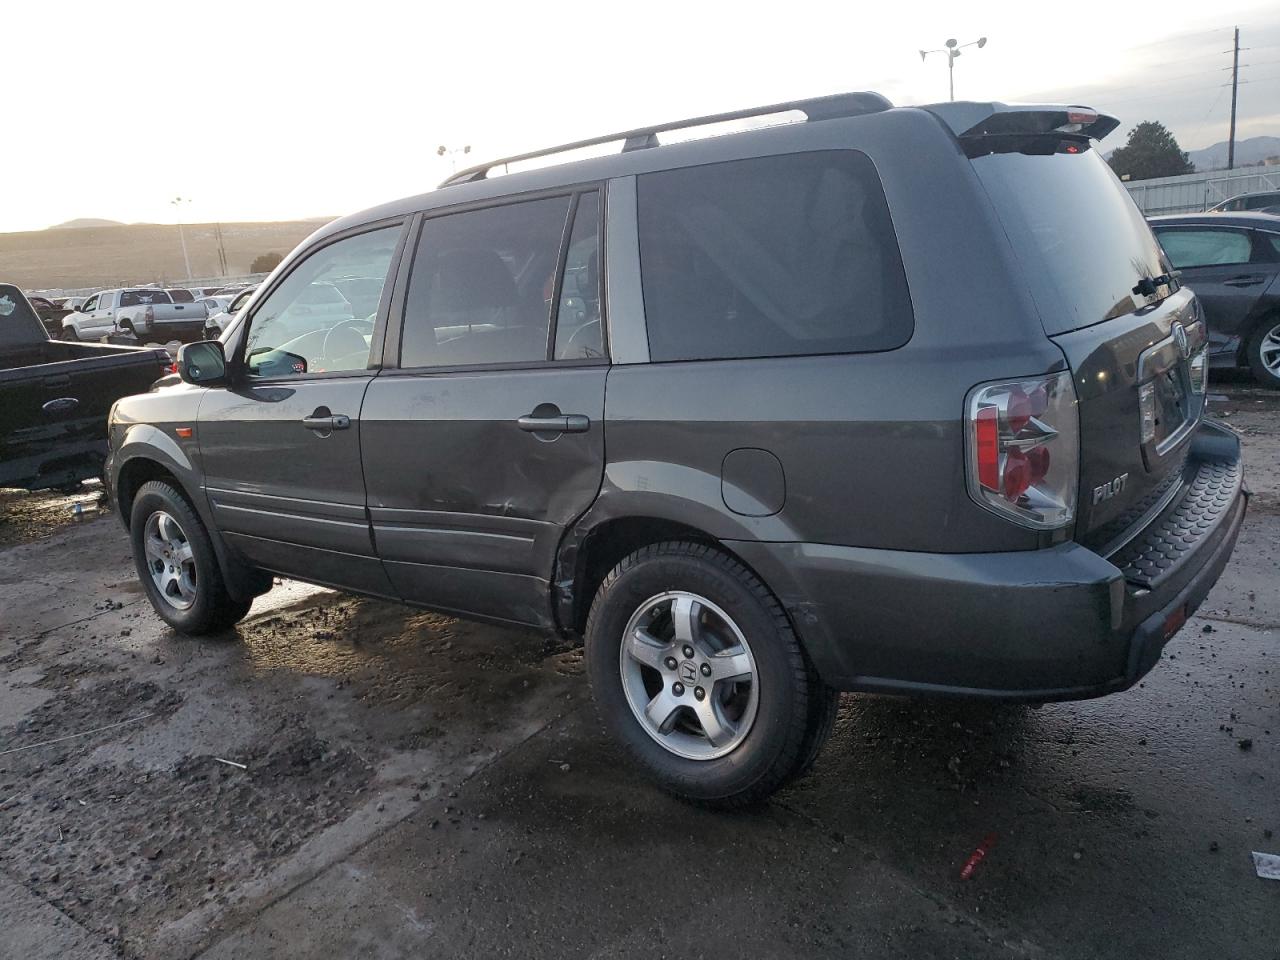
1057,624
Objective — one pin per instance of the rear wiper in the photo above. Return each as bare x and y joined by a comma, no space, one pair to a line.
1147,285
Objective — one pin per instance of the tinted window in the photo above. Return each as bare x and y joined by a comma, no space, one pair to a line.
182,296
1261,200
1203,248
776,256
142,298
578,334
18,322
305,325
1082,242
482,284
1272,240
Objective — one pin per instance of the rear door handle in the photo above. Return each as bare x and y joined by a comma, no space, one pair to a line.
564,423
57,382
1245,281
339,421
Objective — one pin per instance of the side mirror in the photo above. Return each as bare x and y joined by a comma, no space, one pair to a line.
203,363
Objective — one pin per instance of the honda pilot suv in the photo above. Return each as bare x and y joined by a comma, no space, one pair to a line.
893,400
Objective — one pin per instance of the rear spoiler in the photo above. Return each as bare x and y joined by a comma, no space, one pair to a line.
973,120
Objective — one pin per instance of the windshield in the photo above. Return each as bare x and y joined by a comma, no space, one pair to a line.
1083,243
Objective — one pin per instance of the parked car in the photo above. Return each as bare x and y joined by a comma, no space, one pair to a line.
54,398
49,312
899,400
1247,201
217,322
1232,262
145,313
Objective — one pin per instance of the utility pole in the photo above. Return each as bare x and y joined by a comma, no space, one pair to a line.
177,204
1235,82
952,50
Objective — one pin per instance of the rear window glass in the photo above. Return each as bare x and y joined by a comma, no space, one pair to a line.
142,298
769,257
19,324
1083,243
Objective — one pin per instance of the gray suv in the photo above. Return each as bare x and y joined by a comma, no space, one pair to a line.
892,400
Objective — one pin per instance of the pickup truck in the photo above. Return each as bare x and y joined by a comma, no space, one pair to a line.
145,313
55,396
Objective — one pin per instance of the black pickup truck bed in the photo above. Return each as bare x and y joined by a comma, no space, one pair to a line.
55,397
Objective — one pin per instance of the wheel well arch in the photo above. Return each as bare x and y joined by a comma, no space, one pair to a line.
1269,313
133,474
600,548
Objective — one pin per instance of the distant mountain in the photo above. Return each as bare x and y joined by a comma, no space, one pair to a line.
85,222
1253,150
127,254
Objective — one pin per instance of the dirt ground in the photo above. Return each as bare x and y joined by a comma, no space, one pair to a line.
348,777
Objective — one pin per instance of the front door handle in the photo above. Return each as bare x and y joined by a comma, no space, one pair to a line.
1243,281
339,421
563,423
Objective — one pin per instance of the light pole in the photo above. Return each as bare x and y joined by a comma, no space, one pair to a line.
177,205
442,151
952,50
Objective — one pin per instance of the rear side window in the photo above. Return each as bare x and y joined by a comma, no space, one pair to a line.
1205,248
482,285
770,257
182,296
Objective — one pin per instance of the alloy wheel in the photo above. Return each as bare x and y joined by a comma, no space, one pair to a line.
170,560
689,675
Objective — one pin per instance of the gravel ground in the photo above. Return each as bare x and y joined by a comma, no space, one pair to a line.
342,777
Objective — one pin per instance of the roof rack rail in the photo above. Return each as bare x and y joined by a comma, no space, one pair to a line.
817,108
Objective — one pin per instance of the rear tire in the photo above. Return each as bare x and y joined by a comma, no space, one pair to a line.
1263,352
69,333
176,564
729,724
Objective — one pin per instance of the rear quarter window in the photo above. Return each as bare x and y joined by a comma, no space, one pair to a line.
770,257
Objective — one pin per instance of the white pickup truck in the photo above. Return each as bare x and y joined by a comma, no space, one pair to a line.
146,313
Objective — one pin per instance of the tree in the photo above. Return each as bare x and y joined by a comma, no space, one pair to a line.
265,263
1151,151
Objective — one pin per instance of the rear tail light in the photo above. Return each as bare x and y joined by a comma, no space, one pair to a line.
1023,449
1147,411
1200,371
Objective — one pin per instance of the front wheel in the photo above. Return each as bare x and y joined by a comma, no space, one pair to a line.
176,563
695,668
1263,352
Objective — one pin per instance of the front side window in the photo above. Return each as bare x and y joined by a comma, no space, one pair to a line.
306,325
768,257
90,305
182,296
1204,248
482,284
1261,200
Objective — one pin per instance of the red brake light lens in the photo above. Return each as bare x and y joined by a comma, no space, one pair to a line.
987,432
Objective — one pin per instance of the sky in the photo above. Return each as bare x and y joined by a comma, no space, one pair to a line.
268,110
